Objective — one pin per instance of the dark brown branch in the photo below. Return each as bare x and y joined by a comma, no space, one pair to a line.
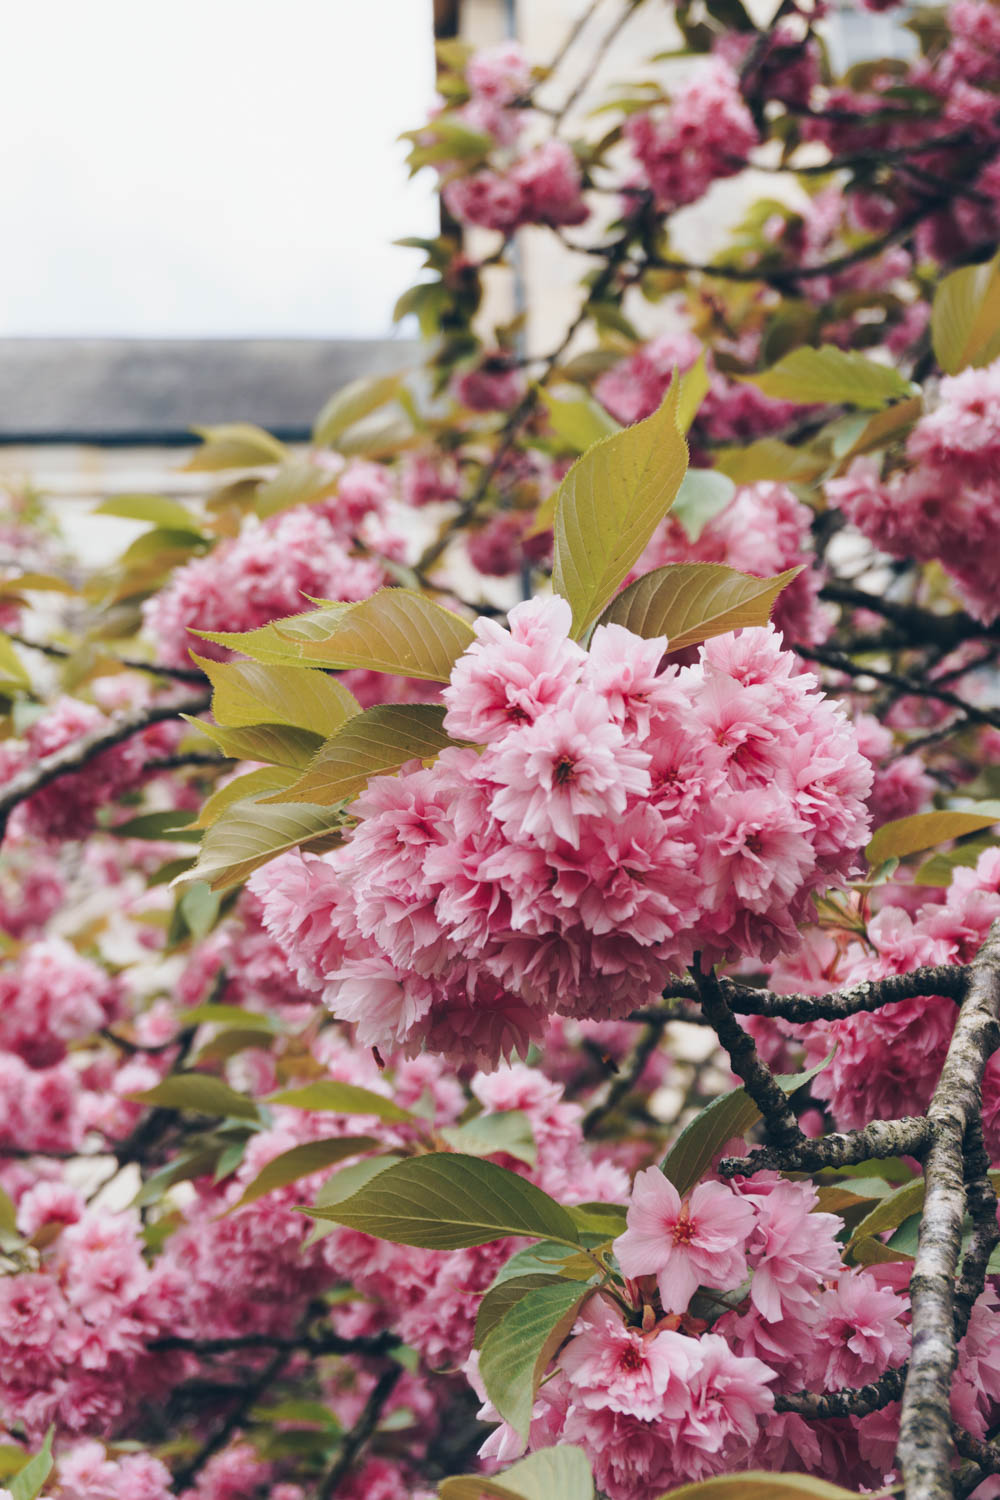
78,753
758,1080
249,1396
919,688
925,1442
931,979
355,1440
909,1136
918,625
625,1080
324,1343
857,1402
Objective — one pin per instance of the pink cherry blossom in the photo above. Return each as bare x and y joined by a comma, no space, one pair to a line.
699,1242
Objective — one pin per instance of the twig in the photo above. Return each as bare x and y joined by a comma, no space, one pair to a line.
925,1441
251,1394
919,625
758,1080
908,685
359,1434
981,1201
157,669
325,1343
626,1079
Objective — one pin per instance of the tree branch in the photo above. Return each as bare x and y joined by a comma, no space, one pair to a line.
78,753
359,1434
925,1442
758,1080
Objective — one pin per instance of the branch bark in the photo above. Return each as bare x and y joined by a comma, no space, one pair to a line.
925,1442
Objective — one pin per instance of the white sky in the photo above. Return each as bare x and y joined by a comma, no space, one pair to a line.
210,168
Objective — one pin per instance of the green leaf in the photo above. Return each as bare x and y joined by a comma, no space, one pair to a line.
965,318
278,744
448,1202
516,1352
12,668
758,1485
281,642
544,1259
170,824
939,869
499,1299
248,693
890,1212
376,742
578,422
183,1168
198,909
831,375
344,1184
905,836
343,1099
200,1092
241,789
294,484
607,1219
226,1015
769,458
560,1473
694,387
396,630
247,836
29,1481
156,509
691,602
609,505
508,1131
8,1214
350,404
302,1161
727,1117
235,445
702,495
878,431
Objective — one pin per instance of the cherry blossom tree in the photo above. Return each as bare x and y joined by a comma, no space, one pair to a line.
501,966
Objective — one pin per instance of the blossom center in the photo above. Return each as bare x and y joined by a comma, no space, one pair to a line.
683,1231
565,770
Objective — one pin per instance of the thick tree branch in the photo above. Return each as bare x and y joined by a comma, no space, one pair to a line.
925,1442
856,1402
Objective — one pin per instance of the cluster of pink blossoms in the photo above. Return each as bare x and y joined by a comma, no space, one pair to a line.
67,808
664,1395
763,530
946,506
887,1062
619,819
540,185
705,133
732,410
272,569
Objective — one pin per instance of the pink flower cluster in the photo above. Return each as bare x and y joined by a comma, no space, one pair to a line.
67,808
887,1062
661,1394
619,818
73,1334
544,186
704,134
731,412
51,996
269,570
946,506
763,530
